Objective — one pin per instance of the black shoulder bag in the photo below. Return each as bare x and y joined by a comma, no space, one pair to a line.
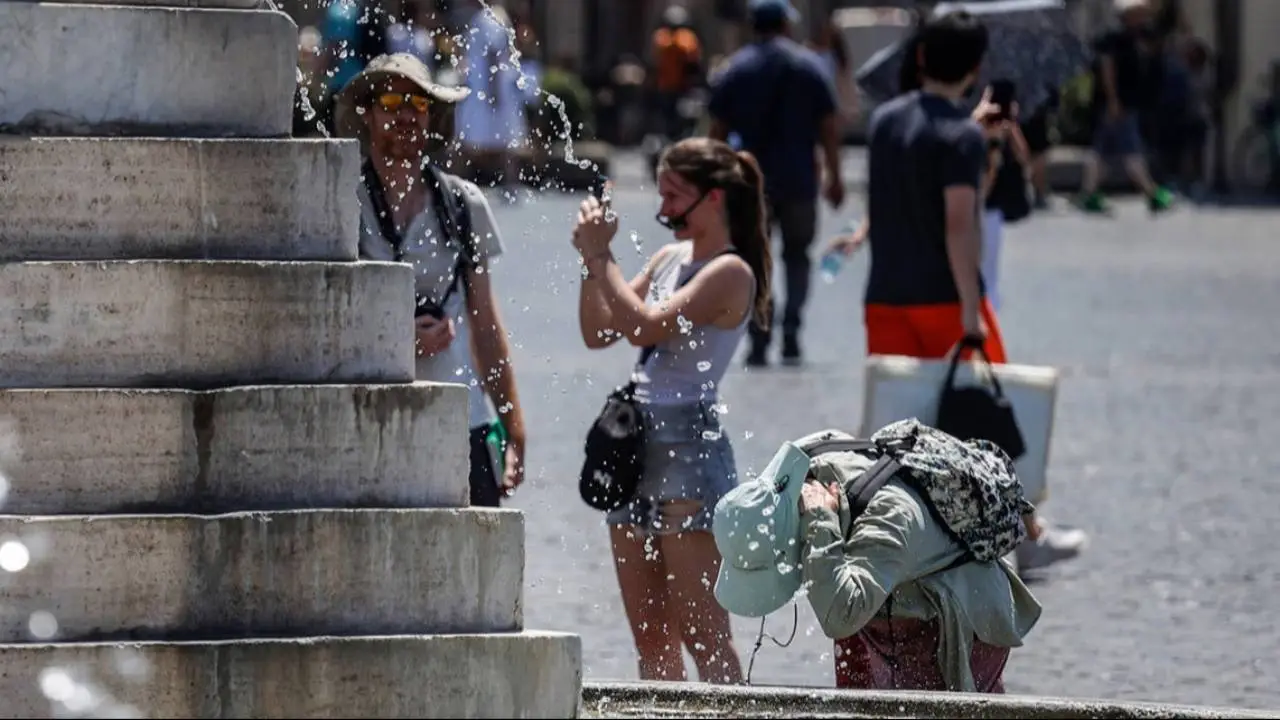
455,222
976,413
616,443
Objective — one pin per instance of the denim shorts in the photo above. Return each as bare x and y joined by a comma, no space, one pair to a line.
1119,139
687,457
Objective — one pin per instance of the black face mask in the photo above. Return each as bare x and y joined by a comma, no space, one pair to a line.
679,222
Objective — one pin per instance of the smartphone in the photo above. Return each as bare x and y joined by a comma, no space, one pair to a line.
1003,94
599,186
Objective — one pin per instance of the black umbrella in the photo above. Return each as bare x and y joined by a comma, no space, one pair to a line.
1031,43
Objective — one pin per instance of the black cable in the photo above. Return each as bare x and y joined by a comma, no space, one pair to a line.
795,624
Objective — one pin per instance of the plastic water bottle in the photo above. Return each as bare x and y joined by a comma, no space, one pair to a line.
833,260
831,263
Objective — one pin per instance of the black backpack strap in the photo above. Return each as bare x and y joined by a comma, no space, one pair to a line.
454,216
860,491
451,211
382,210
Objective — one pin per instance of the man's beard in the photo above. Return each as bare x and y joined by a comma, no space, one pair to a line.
402,143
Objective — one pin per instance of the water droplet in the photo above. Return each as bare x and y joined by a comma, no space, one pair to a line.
43,625
14,556
704,365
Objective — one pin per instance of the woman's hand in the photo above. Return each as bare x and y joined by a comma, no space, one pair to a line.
813,495
848,244
595,229
433,335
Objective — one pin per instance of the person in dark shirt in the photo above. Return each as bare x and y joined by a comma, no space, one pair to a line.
926,165
1125,83
928,176
776,97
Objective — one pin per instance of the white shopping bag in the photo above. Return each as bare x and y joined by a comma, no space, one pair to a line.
898,387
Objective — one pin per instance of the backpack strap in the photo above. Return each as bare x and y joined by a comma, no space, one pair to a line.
454,216
451,211
860,491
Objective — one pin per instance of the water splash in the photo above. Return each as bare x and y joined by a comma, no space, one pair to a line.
523,80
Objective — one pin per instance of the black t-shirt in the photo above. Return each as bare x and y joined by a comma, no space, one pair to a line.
917,146
1136,71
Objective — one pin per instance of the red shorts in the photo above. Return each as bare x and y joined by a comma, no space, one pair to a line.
926,331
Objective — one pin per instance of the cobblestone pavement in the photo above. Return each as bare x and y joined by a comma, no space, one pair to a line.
1168,337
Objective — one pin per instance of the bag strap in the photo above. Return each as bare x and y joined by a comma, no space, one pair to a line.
860,491
981,352
454,218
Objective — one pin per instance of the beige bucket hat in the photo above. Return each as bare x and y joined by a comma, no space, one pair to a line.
359,91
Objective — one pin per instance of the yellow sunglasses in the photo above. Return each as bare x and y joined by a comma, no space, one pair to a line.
394,101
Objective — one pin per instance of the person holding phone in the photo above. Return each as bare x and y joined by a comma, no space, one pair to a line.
692,304
1004,187
412,211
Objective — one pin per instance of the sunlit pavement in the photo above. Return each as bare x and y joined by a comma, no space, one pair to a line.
1165,451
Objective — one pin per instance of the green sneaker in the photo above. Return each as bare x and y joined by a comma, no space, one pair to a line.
1093,203
1160,201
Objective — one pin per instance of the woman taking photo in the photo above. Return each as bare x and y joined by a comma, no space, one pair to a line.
691,303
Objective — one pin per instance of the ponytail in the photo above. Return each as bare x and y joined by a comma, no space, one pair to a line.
710,164
749,228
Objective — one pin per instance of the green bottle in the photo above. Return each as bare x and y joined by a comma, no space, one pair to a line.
497,440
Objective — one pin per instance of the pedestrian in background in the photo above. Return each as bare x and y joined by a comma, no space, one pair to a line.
776,97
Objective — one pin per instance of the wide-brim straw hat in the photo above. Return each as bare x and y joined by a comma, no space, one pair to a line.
358,93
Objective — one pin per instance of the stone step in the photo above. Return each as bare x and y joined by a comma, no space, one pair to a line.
203,324
259,448
125,198
278,574
146,71
525,675
234,4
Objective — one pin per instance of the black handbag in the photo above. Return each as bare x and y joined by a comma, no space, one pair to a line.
976,412
615,448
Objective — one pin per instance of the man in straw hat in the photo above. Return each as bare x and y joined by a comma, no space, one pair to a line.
411,211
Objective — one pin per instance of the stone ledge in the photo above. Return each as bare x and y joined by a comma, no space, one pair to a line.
178,199
204,324
632,699
271,447
207,4
203,73
524,675
276,574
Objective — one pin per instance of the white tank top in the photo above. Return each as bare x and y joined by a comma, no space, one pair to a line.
687,368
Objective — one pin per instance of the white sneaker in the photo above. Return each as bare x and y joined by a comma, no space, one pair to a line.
1055,544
